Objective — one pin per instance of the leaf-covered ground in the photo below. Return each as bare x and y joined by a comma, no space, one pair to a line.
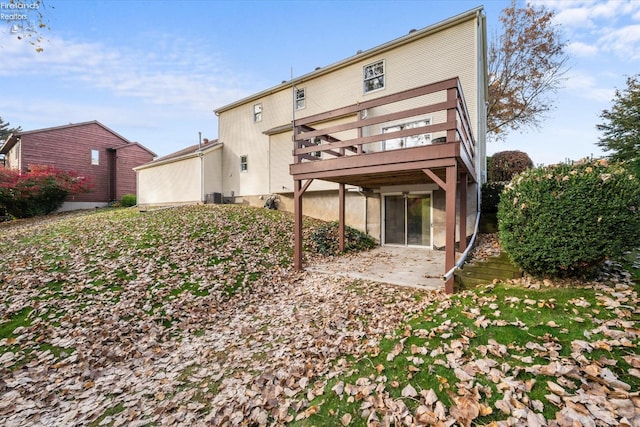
171,317
193,316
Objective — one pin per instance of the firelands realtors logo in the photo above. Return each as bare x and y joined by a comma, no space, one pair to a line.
21,17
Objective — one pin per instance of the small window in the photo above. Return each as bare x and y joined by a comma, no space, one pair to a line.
301,99
244,163
317,141
373,76
95,157
407,141
257,113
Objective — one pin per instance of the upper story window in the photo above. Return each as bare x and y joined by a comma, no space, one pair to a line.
244,163
257,113
373,76
407,141
95,157
301,98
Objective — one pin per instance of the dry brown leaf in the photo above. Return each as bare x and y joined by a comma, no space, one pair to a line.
345,420
409,391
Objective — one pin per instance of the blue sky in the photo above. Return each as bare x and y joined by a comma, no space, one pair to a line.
154,71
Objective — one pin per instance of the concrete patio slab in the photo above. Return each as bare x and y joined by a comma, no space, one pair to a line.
404,266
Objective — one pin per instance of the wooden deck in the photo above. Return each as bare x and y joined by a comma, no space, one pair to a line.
347,146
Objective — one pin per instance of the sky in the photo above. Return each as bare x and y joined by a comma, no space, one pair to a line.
154,71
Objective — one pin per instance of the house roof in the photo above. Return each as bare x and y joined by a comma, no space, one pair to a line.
361,55
13,139
185,153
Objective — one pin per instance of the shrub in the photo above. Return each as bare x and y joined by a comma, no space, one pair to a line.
564,220
128,200
40,191
504,165
324,239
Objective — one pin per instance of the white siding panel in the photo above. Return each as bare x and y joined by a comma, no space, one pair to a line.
213,171
177,182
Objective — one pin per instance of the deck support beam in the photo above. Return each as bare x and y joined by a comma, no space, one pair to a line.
462,191
341,226
298,190
450,186
450,214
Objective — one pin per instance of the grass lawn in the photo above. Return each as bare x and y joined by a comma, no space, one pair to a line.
193,315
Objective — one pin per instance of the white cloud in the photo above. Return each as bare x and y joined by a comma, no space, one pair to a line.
582,49
179,74
574,17
581,14
586,86
624,42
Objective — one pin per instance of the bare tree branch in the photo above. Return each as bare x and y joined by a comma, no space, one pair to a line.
526,63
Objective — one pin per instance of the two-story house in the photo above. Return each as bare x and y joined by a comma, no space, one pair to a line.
90,149
390,140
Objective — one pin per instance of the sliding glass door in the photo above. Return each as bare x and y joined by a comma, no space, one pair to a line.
407,219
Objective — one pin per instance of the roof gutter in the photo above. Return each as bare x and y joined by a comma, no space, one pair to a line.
197,153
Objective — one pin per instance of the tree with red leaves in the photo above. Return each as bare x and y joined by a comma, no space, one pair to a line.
40,191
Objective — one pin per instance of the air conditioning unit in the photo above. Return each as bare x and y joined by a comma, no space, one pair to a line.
213,198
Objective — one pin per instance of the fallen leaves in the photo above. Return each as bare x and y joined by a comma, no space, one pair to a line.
187,320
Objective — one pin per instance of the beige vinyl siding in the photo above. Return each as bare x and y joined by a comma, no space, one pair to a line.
213,171
176,182
242,136
280,159
442,55
439,55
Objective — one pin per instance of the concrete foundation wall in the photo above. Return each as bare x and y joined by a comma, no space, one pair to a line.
324,205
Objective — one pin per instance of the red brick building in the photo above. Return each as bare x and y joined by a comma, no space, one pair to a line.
90,149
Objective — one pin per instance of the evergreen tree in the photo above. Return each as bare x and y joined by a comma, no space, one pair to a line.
6,130
621,127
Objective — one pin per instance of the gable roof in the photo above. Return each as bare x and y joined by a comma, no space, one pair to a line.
13,139
185,153
361,55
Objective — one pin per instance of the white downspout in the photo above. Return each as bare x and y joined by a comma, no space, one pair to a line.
481,161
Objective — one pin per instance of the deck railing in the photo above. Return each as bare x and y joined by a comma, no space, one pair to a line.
357,129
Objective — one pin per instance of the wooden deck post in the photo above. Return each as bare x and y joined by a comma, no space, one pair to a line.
449,185
297,215
463,211
341,226
452,115
298,191
450,214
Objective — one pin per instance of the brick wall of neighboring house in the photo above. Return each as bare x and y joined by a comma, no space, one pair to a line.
70,148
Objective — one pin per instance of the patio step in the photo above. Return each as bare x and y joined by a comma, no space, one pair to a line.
483,272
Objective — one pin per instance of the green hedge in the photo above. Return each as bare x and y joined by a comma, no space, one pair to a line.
128,200
324,239
564,220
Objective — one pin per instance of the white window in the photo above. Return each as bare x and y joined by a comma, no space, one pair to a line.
301,99
407,141
244,163
257,113
95,157
316,141
373,76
